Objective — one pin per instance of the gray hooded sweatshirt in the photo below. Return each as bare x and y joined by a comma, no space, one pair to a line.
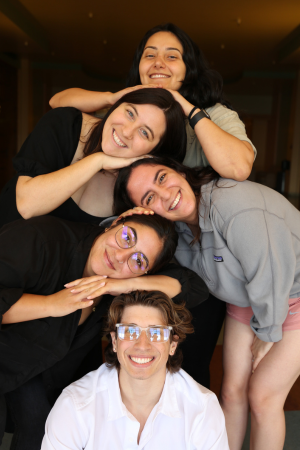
249,251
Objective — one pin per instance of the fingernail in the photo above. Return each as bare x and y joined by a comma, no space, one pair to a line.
104,276
73,290
66,285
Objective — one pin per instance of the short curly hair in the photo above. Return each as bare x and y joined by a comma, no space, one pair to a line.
174,314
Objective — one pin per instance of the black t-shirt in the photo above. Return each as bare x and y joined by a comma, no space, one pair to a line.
39,256
50,147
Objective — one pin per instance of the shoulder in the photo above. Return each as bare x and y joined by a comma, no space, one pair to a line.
85,390
193,393
220,112
231,198
55,116
47,228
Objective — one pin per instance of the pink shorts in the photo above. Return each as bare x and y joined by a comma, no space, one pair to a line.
292,321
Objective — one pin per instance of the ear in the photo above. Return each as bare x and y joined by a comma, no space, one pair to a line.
173,345
114,340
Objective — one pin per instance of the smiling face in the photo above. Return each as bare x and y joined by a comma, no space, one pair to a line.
165,191
162,61
133,130
107,258
142,359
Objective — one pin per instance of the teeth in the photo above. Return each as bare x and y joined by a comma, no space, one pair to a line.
118,141
141,360
175,203
159,76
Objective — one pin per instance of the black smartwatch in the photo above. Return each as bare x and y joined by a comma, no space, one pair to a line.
200,115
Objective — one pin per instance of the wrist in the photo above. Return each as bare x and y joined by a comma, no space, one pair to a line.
48,306
110,98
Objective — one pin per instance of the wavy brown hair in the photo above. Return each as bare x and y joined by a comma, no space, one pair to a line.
175,315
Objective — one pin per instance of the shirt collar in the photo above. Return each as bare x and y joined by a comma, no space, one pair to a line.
167,403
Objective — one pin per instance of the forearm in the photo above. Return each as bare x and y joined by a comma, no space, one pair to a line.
28,307
228,155
167,285
44,193
85,101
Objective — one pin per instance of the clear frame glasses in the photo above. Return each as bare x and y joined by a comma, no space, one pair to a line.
126,238
154,333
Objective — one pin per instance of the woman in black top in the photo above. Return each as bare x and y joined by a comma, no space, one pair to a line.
47,330
59,167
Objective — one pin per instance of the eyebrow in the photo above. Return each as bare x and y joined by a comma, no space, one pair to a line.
154,181
168,48
146,126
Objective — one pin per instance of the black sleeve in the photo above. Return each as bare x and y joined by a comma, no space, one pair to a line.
52,144
21,262
193,289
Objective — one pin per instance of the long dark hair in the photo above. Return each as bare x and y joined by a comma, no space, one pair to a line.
175,315
165,230
196,177
202,86
173,141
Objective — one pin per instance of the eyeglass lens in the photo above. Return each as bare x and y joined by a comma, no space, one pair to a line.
126,238
154,334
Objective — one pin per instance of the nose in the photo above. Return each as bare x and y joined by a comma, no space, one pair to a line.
122,255
164,193
159,62
128,130
143,341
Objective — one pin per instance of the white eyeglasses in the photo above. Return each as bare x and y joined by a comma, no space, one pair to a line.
132,332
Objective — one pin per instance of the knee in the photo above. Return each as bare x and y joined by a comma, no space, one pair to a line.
233,393
262,402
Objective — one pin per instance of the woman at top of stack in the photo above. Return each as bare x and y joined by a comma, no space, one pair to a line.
167,57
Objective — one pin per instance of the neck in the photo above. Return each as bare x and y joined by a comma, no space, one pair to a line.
140,396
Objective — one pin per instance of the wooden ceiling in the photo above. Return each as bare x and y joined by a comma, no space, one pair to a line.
100,37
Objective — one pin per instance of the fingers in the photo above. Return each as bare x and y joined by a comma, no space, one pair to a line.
87,289
84,281
256,361
136,210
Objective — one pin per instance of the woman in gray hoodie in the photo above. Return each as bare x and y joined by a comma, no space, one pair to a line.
243,239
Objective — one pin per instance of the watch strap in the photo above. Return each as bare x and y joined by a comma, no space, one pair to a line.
200,115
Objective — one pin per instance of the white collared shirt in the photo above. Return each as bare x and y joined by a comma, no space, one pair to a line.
90,415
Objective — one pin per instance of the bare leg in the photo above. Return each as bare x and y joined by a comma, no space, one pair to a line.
237,364
268,389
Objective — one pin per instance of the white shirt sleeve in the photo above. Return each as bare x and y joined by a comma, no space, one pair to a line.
209,432
65,430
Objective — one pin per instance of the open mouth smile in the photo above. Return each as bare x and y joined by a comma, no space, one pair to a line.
118,140
141,360
176,201
159,75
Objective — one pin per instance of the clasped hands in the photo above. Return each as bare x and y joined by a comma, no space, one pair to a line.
80,294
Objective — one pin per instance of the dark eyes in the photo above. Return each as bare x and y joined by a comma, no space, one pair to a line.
160,180
149,199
